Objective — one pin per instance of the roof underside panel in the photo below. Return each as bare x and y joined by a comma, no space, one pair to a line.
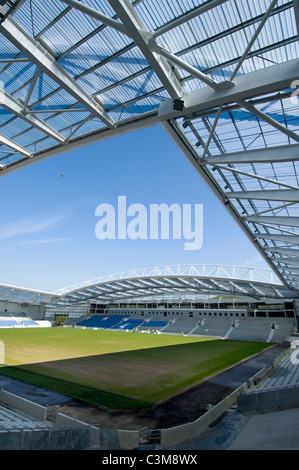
171,287
163,283
73,71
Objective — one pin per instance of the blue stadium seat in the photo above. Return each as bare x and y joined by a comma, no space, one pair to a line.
156,324
101,321
129,324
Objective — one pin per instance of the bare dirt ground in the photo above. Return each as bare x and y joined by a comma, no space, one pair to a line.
183,408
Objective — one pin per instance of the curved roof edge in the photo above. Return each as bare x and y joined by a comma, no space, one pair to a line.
168,282
204,270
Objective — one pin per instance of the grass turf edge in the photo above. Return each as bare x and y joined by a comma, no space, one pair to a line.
86,394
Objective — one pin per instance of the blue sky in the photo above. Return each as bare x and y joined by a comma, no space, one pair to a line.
47,225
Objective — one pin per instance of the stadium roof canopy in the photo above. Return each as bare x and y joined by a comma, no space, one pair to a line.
20,295
163,283
178,283
220,76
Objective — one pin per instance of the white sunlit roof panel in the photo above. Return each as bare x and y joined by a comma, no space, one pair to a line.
42,144
57,40
101,5
59,122
108,75
15,75
57,100
221,18
132,89
10,124
8,50
38,14
89,126
155,13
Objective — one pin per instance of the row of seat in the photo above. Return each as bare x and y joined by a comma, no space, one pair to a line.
284,375
13,419
101,321
130,324
7,321
243,329
119,322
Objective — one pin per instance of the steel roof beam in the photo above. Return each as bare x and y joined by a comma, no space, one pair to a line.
283,251
276,220
12,61
240,288
13,145
285,153
221,286
293,270
254,37
258,291
271,209
287,195
265,117
97,15
292,276
293,284
17,108
279,238
185,66
267,80
143,38
290,262
174,130
31,88
46,62
252,175
204,7
188,16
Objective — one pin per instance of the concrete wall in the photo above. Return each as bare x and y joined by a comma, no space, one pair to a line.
173,313
296,307
67,433
36,312
21,404
52,438
45,439
185,432
66,421
102,438
269,400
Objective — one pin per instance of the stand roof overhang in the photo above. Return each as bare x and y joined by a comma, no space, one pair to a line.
220,76
164,283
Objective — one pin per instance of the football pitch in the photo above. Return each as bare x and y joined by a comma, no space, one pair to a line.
115,369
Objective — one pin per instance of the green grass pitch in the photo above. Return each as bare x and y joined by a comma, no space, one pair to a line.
119,370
